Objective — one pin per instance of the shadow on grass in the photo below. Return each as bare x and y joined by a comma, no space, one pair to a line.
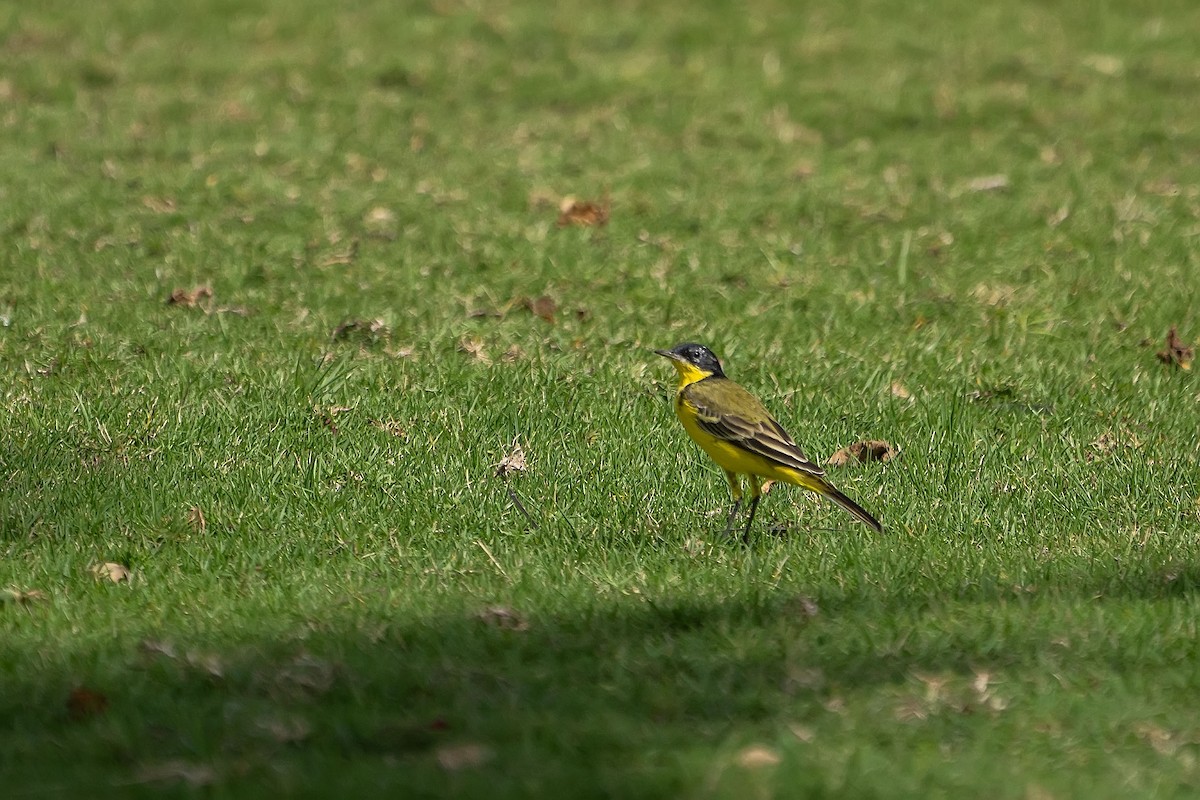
637,699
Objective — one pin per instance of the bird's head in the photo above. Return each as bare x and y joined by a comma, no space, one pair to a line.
693,362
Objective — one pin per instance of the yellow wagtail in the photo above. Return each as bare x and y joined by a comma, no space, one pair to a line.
738,433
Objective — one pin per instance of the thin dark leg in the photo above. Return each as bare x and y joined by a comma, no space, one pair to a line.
750,521
735,489
732,514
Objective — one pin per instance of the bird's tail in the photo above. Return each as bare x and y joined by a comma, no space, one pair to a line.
825,489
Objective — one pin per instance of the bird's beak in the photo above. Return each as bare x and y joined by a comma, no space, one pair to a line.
667,354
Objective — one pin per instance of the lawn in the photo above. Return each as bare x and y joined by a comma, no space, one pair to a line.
283,283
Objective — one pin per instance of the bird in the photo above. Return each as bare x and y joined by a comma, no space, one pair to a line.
738,432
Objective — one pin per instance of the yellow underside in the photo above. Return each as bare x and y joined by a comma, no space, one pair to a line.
732,458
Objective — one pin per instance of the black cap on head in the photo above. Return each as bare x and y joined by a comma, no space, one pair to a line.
697,355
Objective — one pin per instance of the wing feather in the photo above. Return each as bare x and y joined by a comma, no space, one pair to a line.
751,427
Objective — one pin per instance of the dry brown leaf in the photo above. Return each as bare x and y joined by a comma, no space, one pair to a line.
365,332
1163,187
544,307
390,426
582,212
341,257
83,703
1058,217
1177,353
514,462
22,597
326,415
1105,64
457,757
862,452
757,756
475,348
190,298
802,732
988,183
1110,441
195,518
380,223
112,570
1162,740
900,392
503,617
159,205
380,216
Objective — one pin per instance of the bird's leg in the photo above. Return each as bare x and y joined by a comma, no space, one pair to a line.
755,496
735,488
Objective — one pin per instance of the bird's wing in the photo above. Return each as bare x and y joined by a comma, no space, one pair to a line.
732,414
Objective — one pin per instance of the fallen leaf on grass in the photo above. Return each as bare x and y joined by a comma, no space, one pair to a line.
380,223
112,570
475,348
581,212
513,462
195,518
988,183
365,332
190,298
1110,441
390,426
176,771
159,205
327,414
757,756
503,617
484,312
379,215
802,732
1177,353
1105,64
900,392
1058,217
83,703
1162,740
543,306
862,452
341,257
457,757
21,597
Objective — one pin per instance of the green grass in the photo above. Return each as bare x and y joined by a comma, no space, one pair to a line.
796,186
